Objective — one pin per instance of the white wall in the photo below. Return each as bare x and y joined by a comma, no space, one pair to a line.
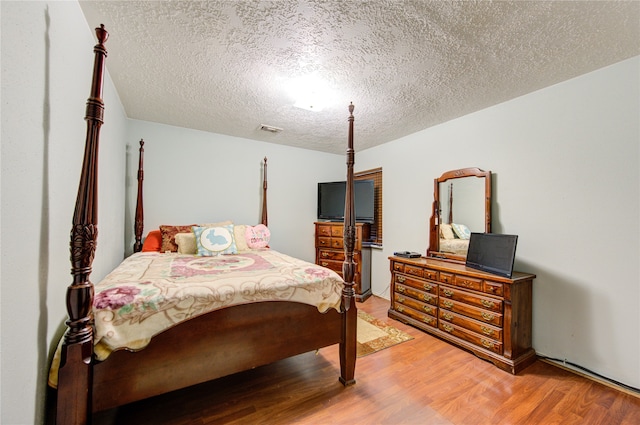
565,161
47,58
192,177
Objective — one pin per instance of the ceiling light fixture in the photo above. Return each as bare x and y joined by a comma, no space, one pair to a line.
311,93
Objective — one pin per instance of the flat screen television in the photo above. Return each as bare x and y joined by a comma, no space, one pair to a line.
492,253
331,197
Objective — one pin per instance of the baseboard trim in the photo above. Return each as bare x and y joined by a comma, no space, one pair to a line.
590,377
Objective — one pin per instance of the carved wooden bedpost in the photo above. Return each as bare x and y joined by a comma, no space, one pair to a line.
265,219
348,345
75,373
139,220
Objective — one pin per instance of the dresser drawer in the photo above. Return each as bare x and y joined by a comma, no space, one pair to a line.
336,266
453,293
494,288
337,231
324,242
471,311
417,294
416,315
468,282
420,284
337,243
397,267
430,274
330,254
415,304
446,277
472,337
481,328
413,270
324,231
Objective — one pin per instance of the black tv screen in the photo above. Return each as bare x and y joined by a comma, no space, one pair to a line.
492,253
331,197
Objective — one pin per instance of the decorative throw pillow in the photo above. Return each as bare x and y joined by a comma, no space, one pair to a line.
257,236
461,231
169,236
213,241
152,242
238,234
218,224
446,232
186,243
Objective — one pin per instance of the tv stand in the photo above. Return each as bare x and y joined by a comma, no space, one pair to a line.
486,314
330,253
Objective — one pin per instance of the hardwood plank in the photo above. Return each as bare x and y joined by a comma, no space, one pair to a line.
425,380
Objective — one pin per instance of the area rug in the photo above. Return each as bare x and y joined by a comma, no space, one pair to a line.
375,335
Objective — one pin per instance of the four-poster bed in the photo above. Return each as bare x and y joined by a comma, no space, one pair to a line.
225,340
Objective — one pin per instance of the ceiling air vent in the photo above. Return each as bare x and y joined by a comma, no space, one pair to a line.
270,128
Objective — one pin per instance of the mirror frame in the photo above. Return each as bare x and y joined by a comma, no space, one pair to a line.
434,224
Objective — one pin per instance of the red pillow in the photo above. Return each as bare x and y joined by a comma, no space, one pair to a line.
153,242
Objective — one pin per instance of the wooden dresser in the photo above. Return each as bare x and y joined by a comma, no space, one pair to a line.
486,314
330,253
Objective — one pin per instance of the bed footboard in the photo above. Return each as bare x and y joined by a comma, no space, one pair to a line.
211,346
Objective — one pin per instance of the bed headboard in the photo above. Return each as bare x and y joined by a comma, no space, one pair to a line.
139,219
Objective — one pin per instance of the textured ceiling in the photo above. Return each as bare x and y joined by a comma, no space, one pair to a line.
229,66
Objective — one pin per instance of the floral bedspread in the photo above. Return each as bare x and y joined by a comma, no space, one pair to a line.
150,292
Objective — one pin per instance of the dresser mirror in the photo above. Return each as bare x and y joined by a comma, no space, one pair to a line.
461,205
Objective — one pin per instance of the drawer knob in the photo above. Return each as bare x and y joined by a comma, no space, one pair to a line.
487,303
400,308
427,287
447,303
401,279
427,309
401,299
487,316
427,320
447,316
400,289
324,263
448,292
427,298
325,254
447,328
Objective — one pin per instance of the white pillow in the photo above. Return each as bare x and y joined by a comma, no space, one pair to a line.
241,242
186,243
446,232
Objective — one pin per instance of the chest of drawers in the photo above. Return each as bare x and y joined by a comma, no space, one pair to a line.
486,314
329,238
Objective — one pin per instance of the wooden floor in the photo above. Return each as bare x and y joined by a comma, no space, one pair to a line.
422,381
